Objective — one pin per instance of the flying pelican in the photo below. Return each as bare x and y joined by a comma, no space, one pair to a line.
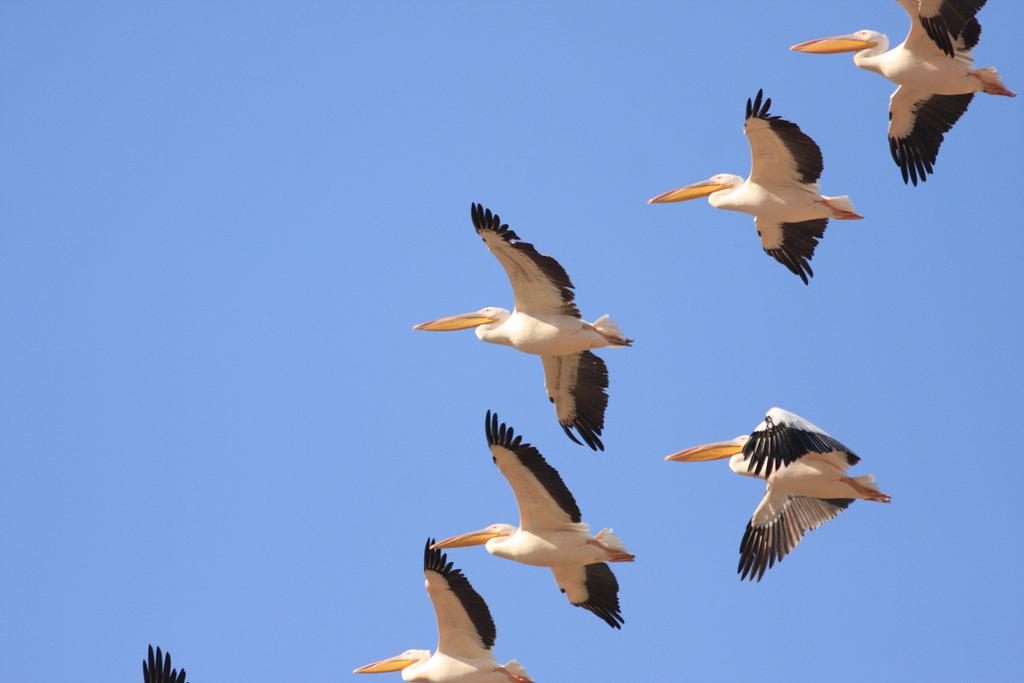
781,193
935,73
547,323
465,634
551,532
805,469
157,669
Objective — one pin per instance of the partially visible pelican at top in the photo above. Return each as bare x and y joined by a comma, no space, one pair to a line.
934,70
465,634
782,194
545,322
805,471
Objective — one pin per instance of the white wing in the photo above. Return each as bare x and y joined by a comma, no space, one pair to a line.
540,284
918,122
464,624
917,39
545,502
576,385
781,154
592,587
777,526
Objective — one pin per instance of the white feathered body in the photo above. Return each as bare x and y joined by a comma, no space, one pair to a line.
816,475
555,335
789,203
445,668
566,547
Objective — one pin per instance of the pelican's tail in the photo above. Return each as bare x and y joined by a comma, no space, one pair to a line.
614,546
842,208
517,672
991,83
610,331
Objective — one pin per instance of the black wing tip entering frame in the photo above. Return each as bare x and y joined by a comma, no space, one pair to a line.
484,220
757,110
156,668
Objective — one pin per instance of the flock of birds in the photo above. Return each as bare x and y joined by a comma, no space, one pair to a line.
804,468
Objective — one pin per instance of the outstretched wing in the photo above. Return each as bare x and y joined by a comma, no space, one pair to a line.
545,502
783,438
918,122
781,153
791,244
576,385
464,624
777,526
592,587
156,668
942,21
540,284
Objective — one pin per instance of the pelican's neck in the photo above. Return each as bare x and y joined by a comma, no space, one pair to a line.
740,464
501,546
495,333
725,199
412,672
870,59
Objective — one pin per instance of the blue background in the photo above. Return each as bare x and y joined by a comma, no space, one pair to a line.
218,432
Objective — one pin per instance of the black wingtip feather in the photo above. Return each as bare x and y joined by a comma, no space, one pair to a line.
778,445
591,396
917,152
156,668
799,240
603,595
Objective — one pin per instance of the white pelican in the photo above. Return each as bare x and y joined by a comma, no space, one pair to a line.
805,469
157,669
465,634
551,532
547,323
935,73
781,193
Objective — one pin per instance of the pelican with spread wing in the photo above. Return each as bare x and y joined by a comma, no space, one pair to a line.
551,531
156,668
805,471
465,634
781,193
545,322
934,70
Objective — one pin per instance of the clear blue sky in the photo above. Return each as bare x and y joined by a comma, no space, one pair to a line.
218,432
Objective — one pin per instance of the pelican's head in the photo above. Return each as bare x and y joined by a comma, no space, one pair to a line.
705,188
854,42
400,663
479,537
484,317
